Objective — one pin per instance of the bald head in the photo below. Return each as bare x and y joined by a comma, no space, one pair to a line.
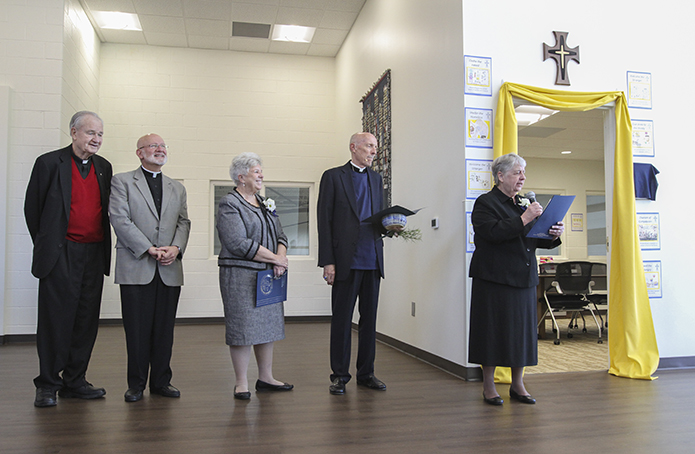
152,152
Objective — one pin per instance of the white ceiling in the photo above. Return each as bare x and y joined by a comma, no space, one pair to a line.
579,132
207,24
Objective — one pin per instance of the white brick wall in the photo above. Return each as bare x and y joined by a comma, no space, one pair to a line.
31,36
210,106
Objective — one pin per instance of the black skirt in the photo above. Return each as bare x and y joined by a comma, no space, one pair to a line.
503,325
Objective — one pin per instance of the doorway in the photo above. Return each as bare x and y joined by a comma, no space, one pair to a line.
565,155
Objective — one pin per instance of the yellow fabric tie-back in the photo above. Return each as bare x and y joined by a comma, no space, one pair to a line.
632,341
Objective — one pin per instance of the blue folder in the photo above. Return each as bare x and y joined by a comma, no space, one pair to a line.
552,214
269,289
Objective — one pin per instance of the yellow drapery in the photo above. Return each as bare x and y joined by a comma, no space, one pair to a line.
632,341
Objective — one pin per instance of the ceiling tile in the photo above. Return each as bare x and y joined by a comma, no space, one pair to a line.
323,50
353,6
249,44
159,7
208,42
208,9
124,6
207,27
166,39
284,47
313,4
261,14
329,36
162,24
338,20
299,16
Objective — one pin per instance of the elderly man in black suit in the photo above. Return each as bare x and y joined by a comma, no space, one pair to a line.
66,211
352,257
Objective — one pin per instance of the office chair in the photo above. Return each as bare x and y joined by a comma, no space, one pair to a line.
569,292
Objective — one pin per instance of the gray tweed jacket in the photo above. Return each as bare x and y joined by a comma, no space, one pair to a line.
243,228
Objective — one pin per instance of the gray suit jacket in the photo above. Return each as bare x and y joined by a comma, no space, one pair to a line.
138,227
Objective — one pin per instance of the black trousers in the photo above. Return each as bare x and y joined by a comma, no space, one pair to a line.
362,284
149,314
68,315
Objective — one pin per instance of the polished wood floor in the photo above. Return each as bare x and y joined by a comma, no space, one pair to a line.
424,410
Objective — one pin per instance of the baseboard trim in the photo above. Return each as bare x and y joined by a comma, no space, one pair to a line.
676,362
463,372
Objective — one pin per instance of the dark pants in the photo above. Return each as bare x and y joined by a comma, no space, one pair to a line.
149,314
365,285
68,315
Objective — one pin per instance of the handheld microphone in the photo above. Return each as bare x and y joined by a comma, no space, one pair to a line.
531,196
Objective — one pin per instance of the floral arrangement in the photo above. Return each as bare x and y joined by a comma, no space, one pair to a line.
270,206
409,235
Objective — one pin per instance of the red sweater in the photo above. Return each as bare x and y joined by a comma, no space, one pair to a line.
84,224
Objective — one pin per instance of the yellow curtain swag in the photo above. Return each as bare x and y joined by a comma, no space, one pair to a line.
632,341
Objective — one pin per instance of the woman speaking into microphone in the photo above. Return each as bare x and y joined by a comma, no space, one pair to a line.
505,276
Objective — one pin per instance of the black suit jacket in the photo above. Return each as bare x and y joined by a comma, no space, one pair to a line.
339,222
47,207
503,254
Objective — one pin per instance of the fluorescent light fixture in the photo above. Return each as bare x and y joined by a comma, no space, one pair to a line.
116,20
566,152
293,33
527,115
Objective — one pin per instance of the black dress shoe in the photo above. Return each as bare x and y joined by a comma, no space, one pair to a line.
337,387
166,391
245,395
262,386
372,382
45,397
83,392
523,399
133,395
497,400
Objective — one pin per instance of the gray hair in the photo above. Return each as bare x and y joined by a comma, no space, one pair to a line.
505,164
78,118
241,165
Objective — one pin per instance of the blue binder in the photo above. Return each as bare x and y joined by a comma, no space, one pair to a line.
270,290
552,214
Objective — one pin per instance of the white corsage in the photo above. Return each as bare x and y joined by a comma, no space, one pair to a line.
270,206
524,202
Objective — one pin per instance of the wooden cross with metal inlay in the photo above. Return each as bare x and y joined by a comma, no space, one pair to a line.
562,55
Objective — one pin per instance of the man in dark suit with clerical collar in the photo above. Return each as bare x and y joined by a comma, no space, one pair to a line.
351,254
66,211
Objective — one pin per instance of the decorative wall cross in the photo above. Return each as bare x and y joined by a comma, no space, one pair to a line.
562,54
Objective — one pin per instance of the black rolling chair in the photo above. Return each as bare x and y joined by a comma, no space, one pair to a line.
569,292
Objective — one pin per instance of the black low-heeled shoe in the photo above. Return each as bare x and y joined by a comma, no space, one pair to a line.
262,386
523,399
497,400
245,395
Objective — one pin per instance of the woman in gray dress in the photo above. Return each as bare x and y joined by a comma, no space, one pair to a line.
252,240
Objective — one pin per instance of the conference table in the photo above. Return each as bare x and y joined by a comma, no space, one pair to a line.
546,275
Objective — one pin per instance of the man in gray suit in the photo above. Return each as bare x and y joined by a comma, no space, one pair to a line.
149,215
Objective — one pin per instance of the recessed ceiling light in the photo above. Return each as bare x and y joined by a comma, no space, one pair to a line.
293,33
566,152
116,20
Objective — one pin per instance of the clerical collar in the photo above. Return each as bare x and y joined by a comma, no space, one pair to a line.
80,160
153,174
358,169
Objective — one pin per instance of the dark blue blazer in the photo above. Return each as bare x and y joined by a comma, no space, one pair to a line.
338,219
47,207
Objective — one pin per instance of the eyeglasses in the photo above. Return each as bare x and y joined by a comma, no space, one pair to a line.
154,146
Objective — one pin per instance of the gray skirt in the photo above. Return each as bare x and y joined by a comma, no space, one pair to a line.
245,323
